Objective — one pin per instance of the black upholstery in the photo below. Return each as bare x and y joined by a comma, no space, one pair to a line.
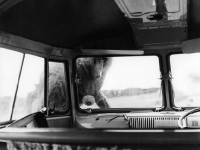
37,119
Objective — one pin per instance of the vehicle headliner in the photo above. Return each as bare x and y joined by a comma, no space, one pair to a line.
91,24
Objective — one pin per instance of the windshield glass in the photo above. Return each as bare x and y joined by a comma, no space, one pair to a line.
185,70
30,94
10,64
119,82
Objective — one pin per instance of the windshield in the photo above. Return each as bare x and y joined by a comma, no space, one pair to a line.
9,75
119,82
22,84
186,79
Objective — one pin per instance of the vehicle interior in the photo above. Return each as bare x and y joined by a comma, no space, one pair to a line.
99,74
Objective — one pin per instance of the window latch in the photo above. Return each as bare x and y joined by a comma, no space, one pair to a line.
77,80
43,110
179,108
89,110
165,77
158,109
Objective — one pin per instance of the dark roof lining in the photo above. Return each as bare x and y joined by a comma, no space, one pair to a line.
97,24
68,23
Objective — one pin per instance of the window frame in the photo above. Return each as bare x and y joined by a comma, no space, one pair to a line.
172,100
65,62
16,86
67,90
116,110
20,75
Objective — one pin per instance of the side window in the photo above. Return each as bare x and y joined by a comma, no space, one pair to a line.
22,85
185,70
58,96
30,95
10,64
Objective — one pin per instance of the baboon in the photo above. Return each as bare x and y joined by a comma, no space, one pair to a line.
90,76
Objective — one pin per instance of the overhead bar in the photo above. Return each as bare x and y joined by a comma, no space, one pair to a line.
112,52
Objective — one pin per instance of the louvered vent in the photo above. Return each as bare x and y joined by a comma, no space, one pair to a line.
153,122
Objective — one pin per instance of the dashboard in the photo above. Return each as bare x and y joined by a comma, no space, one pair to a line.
134,120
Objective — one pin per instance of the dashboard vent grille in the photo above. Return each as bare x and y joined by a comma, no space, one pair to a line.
153,122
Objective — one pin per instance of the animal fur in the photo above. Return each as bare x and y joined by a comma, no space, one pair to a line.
91,74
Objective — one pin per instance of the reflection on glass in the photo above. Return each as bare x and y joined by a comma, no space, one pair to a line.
140,7
118,82
57,99
30,95
154,10
186,79
10,63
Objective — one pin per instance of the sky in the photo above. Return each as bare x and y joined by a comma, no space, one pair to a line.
10,63
126,72
186,73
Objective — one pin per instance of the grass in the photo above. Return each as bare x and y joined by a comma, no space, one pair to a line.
135,101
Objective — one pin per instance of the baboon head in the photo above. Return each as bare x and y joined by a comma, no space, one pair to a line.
97,67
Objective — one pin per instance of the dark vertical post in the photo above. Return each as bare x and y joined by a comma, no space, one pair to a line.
46,85
15,96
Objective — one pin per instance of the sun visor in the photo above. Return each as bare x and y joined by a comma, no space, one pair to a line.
156,22
191,46
31,47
